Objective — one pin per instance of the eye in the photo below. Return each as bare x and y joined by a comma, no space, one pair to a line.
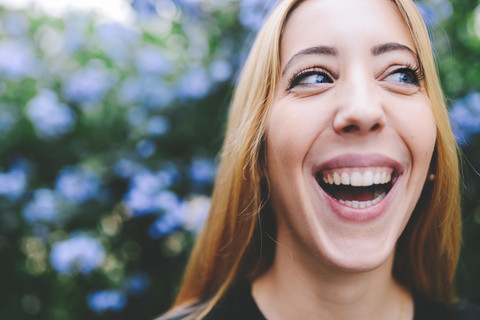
310,77
405,75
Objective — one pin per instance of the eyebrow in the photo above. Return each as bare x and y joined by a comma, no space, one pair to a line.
318,50
331,51
389,47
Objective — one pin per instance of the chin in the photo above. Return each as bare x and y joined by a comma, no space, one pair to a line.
361,260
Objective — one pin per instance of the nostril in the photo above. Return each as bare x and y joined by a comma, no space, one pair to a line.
375,127
350,128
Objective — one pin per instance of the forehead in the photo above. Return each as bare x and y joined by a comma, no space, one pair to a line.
344,24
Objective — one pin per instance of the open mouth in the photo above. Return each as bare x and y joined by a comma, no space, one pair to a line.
357,187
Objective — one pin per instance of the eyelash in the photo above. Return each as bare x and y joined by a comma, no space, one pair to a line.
305,73
415,71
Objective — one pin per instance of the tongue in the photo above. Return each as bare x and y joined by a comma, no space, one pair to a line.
352,193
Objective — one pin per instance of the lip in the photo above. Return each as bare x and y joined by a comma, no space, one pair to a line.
359,215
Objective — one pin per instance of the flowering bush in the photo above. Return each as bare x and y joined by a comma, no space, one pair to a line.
110,134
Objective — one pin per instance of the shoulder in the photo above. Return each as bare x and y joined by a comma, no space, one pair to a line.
426,309
236,304
188,312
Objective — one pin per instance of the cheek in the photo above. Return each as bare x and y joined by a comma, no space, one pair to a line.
424,137
293,127
288,135
416,125
421,144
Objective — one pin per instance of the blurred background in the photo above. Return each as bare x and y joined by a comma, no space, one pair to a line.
111,118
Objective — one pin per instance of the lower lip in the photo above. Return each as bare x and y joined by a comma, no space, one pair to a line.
359,215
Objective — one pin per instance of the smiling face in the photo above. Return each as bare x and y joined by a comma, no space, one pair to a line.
351,132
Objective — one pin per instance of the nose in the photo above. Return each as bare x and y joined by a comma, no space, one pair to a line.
359,110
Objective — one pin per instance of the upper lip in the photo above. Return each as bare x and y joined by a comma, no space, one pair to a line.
359,160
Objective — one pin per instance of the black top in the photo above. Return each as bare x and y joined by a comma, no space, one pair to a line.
238,304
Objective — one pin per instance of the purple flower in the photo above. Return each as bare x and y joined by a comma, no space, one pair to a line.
89,84
158,126
117,41
150,60
126,168
144,8
171,220
43,206
195,213
195,84
190,215
138,283
166,201
8,118
153,8
145,180
253,12
146,148
101,301
191,6
465,117
13,183
16,24
147,192
220,70
137,116
74,36
49,117
427,14
77,185
444,8
202,171
147,91
80,253
434,11
16,60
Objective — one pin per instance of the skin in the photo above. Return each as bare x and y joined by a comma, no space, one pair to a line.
366,106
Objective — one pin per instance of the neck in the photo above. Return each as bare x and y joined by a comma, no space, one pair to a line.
295,287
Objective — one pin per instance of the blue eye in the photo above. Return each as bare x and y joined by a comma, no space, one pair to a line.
404,75
310,77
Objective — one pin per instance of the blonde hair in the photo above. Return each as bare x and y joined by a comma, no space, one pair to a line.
234,245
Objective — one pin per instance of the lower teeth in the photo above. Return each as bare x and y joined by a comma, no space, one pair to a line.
363,204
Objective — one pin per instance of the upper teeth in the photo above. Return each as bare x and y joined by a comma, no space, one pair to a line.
358,177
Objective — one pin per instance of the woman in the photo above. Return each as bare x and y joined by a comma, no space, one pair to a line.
337,192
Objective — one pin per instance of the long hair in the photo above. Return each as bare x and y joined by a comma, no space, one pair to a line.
236,243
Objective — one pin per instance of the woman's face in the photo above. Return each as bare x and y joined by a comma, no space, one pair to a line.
351,132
